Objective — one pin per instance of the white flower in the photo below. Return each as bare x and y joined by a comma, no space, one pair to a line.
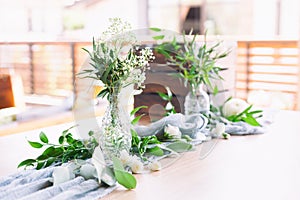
88,171
169,106
137,166
61,175
169,92
219,129
155,166
132,160
172,131
125,158
234,106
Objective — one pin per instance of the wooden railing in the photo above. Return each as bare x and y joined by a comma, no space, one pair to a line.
267,70
47,68
268,73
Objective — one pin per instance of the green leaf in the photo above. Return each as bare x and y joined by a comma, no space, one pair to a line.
103,93
251,120
49,151
180,146
155,29
61,139
163,96
43,137
136,119
35,144
255,112
124,178
42,157
137,109
158,37
49,162
216,90
70,139
27,162
40,165
156,151
57,152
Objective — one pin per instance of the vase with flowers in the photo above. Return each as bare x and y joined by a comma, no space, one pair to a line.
197,66
117,62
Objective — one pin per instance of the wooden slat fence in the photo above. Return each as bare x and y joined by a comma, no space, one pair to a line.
266,69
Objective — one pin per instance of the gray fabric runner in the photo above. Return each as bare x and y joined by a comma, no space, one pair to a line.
36,184
192,124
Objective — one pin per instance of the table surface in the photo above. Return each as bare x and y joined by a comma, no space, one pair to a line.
263,166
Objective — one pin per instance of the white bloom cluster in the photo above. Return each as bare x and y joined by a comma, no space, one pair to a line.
137,66
133,162
172,131
117,26
155,166
145,56
136,164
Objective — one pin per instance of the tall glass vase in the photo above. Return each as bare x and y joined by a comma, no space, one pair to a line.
115,133
196,101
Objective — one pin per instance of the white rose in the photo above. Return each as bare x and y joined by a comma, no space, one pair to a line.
234,106
155,166
125,157
137,166
219,129
172,131
132,160
61,175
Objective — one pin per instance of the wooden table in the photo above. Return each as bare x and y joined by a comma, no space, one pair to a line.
259,167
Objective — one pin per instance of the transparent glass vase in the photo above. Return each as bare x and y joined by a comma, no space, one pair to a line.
196,101
115,133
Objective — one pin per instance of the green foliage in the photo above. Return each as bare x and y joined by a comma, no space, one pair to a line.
180,146
247,116
134,111
68,149
196,65
141,145
123,177
169,108
108,63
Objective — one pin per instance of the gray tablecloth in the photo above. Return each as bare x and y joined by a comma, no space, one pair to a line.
36,184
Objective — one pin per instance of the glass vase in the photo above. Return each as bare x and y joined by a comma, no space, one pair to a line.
196,101
115,133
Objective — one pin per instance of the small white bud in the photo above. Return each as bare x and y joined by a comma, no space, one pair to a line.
155,166
172,131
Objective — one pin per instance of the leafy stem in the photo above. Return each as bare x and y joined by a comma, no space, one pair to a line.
247,116
68,148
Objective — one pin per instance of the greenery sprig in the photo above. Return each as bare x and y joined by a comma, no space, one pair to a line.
67,149
169,108
141,145
197,65
108,63
249,116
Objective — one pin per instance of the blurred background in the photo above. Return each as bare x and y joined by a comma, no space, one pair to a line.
41,41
